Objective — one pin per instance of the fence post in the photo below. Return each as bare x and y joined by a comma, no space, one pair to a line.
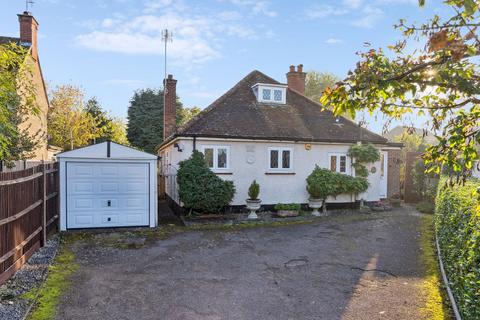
44,206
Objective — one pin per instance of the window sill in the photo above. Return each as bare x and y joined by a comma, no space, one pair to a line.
223,172
279,173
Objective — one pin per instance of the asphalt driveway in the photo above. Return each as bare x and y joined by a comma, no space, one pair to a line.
361,267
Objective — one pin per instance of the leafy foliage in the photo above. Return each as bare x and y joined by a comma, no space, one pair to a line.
457,221
254,190
145,118
319,184
17,104
441,80
426,207
363,154
73,124
184,114
287,207
199,188
316,83
425,184
322,183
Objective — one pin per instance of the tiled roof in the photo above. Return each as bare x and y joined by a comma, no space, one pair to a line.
238,114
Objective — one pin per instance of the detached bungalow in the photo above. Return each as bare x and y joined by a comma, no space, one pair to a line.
269,131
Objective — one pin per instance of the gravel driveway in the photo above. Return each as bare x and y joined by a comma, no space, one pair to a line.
360,267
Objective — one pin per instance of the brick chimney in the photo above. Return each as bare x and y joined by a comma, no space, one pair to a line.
170,108
296,79
28,31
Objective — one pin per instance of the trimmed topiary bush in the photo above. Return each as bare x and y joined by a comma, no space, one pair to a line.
457,222
253,191
200,189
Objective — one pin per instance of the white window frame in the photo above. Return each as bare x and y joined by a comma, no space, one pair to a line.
258,91
348,170
215,148
280,153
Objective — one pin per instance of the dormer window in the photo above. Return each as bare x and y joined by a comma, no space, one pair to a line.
270,93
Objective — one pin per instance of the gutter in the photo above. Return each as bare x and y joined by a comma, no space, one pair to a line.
446,283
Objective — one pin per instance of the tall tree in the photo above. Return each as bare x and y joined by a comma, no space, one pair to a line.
145,119
316,83
441,80
106,126
185,114
69,125
17,103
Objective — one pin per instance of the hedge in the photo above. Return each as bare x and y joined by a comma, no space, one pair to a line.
457,222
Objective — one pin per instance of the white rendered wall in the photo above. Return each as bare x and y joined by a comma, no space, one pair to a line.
275,188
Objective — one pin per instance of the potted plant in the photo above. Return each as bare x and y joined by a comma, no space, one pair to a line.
319,186
253,203
287,209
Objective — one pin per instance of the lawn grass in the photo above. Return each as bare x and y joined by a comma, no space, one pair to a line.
436,306
47,297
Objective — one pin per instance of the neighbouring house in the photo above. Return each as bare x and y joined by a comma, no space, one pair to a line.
269,131
28,39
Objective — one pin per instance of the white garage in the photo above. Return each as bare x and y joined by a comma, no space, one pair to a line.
107,185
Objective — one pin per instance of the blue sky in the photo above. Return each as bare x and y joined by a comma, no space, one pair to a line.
112,47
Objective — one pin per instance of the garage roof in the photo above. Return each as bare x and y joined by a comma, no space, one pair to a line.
107,150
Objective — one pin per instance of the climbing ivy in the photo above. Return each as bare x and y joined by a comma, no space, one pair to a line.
363,154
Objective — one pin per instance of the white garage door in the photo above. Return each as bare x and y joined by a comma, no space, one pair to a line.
107,194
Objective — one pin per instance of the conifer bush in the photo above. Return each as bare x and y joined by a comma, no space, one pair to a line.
200,189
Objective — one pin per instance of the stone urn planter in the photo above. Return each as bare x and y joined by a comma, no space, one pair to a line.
253,206
315,204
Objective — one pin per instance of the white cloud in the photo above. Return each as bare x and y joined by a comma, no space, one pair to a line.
370,15
333,41
324,11
352,3
230,15
263,7
196,39
153,5
257,7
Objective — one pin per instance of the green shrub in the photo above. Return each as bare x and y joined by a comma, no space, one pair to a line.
322,183
253,191
457,222
363,154
426,207
287,207
319,183
199,188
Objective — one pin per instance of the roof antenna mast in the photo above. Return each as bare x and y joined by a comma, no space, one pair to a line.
167,36
28,3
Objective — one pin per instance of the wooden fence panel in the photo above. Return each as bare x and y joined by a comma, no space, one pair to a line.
24,206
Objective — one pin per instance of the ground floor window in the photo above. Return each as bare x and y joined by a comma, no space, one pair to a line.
216,157
280,158
338,162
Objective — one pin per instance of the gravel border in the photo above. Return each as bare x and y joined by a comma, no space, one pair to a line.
30,276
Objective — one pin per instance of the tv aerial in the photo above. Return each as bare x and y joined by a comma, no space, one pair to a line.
28,4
